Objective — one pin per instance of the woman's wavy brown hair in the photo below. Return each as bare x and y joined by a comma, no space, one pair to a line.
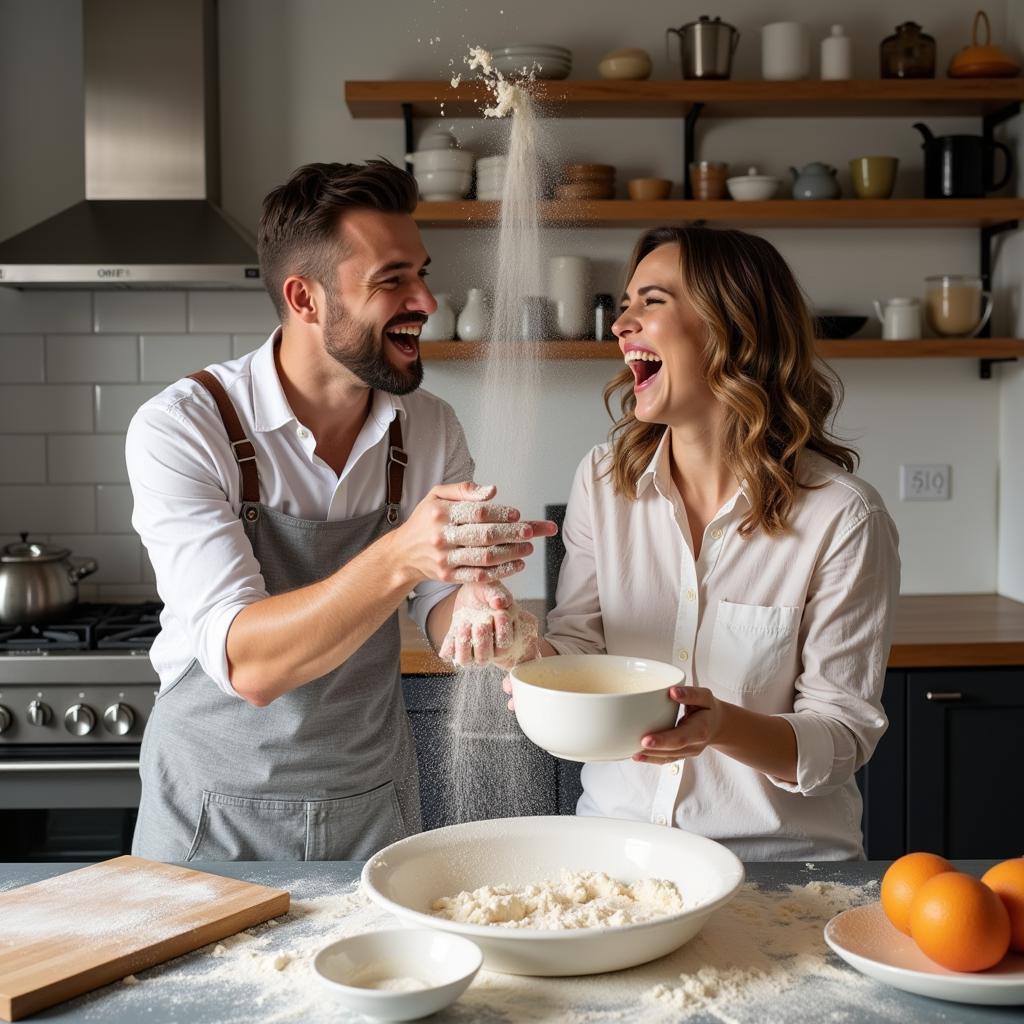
759,362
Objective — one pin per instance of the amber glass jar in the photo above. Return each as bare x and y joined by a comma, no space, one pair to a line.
908,53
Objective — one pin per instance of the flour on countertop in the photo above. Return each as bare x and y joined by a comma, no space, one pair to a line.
577,899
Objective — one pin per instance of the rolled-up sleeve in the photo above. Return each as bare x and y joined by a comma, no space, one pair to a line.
845,635
575,625
205,568
458,467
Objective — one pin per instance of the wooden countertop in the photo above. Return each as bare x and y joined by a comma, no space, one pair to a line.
932,631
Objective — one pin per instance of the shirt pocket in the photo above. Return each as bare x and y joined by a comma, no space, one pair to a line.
749,645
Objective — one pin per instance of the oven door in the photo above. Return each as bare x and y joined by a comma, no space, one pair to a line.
68,802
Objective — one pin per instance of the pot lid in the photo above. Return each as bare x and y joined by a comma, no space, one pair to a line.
27,550
704,19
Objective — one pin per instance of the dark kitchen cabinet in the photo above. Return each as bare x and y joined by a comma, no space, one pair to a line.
945,777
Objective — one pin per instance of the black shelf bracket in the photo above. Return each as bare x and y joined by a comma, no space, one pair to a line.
985,365
989,233
407,121
690,146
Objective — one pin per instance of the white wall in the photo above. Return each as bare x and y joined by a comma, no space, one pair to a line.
283,68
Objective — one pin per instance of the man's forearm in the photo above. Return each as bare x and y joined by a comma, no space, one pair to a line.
285,641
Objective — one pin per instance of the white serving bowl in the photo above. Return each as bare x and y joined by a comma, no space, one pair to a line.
752,187
438,186
444,964
593,707
441,160
547,66
408,876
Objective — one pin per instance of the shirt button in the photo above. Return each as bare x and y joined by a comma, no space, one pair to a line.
661,820
674,769
716,533
691,595
303,433
684,654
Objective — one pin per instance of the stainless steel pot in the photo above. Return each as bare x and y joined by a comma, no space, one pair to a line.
706,47
39,581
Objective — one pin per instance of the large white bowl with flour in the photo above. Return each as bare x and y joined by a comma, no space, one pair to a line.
408,876
593,707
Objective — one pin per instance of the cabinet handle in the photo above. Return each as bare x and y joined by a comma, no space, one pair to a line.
944,695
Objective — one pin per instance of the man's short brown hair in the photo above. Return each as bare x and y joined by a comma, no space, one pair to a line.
298,232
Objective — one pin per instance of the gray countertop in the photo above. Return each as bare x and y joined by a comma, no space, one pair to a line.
237,981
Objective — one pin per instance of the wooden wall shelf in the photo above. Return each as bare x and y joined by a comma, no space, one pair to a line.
852,348
938,97
810,213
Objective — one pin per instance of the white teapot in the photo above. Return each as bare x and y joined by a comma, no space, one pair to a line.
901,319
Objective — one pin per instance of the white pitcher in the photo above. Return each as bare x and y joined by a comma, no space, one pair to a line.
475,319
440,325
901,319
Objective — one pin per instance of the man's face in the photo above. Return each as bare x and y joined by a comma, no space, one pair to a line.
379,301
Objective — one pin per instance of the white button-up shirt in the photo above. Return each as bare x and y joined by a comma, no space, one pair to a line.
797,626
187,492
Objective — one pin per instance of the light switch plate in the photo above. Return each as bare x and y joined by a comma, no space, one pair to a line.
924,483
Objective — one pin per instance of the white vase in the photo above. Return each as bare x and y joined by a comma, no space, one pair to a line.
836,56
440,325
475,318
569,291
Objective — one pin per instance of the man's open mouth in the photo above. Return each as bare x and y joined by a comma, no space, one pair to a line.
645,366
405,338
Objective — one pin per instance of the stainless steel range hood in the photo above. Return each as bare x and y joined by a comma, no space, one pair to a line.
150,217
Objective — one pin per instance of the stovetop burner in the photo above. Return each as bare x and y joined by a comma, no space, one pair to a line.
89,627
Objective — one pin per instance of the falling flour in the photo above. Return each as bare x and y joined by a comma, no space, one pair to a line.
576,899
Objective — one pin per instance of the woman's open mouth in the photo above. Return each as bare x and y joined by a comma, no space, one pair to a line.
405,338
645,366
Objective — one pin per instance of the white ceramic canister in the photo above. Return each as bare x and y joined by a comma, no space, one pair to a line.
440,325
570,293
785,51
475,319
836,56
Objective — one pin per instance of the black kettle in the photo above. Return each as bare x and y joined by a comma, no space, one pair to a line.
961,166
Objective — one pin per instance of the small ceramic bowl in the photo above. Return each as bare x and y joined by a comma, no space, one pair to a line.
398,973
752,187
644,189
593,707
631,63
439,186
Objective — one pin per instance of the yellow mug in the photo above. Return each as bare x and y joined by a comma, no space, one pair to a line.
873,176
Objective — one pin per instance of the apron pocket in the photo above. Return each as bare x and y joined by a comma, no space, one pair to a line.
355,827
749,645
243,828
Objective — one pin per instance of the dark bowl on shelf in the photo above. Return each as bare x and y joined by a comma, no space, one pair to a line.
827,325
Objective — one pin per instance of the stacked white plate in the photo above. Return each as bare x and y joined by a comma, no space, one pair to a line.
490,176
543,60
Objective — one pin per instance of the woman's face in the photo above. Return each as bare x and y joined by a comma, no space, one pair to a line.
661,337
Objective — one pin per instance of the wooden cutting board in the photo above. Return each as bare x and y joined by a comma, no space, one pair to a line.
86,928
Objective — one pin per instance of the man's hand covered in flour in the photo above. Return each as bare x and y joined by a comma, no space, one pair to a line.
455,535
488,628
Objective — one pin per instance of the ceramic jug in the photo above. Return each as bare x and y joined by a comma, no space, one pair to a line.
440,325
815,181
475,319
961,166
901,319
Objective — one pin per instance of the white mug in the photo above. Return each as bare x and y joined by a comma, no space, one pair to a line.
569,290
901,319
785,51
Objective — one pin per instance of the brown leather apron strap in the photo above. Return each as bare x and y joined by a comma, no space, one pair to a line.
242,448
397,461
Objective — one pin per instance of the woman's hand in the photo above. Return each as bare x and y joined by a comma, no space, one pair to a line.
698,729
490,639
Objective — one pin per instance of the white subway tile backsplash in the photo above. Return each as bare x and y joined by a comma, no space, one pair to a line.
44,509
44,312
21,358
119,555
116,404
92,357
22,459
132,312
45,408
243,344
169,357
86,459
231,312
114,508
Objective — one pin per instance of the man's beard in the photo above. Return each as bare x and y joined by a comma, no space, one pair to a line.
360,349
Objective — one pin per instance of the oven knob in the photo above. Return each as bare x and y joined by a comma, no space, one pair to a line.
79,719
5,719
39,713
118,719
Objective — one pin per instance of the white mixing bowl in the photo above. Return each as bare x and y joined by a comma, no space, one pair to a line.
443,185
593,707
408,876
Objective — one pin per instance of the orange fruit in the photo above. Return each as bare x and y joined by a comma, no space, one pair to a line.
1006,880
902,881
960,923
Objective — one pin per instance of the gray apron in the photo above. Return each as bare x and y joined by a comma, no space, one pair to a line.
325,772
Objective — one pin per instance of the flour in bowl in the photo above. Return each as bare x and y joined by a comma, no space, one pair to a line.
577,899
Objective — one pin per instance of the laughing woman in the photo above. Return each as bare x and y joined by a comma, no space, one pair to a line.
722,530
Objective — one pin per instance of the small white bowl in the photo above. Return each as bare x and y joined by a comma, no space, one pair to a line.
593,707
752,187
357,969
439,186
